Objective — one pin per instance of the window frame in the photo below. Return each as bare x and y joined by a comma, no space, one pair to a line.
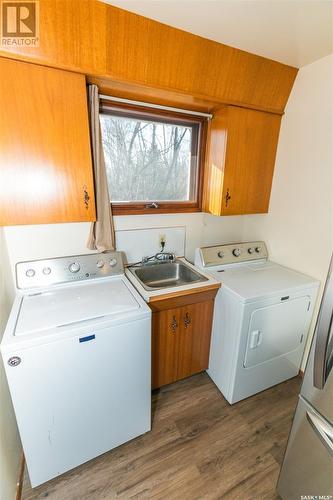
152,114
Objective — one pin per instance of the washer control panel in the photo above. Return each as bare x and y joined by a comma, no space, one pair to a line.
232,253
47,272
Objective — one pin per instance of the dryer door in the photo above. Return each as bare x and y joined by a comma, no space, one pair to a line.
276,329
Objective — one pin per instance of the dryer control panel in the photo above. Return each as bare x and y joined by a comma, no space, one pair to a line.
36,273
232,253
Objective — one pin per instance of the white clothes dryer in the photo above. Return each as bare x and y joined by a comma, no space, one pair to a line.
261,320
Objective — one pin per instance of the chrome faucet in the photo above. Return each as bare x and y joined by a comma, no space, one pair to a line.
159,257
165,256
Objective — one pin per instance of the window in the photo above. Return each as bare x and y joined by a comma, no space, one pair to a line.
153,159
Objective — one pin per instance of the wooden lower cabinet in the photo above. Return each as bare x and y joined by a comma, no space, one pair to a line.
181,341
165,347
194,335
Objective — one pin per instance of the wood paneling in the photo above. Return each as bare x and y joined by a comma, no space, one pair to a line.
143,93
199,447
45,160
241,159
110,43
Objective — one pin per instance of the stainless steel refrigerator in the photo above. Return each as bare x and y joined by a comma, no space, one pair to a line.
307,469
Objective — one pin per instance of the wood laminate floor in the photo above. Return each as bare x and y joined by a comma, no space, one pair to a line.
200,448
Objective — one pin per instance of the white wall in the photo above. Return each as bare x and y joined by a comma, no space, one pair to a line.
10,447
41,241
220,230
299,226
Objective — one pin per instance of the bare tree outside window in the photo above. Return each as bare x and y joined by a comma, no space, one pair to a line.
148,160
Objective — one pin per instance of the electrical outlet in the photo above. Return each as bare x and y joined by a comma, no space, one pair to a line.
162,240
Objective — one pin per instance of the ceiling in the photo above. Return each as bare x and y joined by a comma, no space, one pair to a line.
294,32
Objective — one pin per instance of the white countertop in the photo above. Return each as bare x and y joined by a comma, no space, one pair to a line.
148,294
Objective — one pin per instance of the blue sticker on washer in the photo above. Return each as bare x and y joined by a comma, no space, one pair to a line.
86,339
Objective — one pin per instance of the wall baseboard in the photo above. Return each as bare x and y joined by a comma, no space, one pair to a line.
19,484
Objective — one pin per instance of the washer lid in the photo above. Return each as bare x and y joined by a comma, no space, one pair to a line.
73,304
260,279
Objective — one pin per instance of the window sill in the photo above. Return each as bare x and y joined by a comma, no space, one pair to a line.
162,209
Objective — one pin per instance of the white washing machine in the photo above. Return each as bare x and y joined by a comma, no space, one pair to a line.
262,316
76,352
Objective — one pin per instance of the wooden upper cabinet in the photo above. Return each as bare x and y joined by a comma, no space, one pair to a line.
241,155
45,159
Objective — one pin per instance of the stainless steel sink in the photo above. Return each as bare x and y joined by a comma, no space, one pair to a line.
166,275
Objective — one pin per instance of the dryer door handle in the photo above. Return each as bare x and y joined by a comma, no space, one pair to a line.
255,339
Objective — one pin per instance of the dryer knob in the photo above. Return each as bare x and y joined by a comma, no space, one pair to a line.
236,252
113,262
100,264
220,254
30,273
258,249
250,250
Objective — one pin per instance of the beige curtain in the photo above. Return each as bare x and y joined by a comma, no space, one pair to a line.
101,235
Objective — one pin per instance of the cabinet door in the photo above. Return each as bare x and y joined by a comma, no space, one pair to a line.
45,159
250,159
165,346
194,338
242,150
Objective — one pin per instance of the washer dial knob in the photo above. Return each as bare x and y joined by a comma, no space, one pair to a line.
258,249
100,264
30,273
220,254
74,267
250,250
113,262
46,270
236,252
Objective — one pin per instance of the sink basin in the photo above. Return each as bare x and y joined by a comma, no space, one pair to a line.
166,275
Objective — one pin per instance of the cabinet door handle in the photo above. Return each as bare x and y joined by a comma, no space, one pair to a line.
187,320
86,197
227,198
174,325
